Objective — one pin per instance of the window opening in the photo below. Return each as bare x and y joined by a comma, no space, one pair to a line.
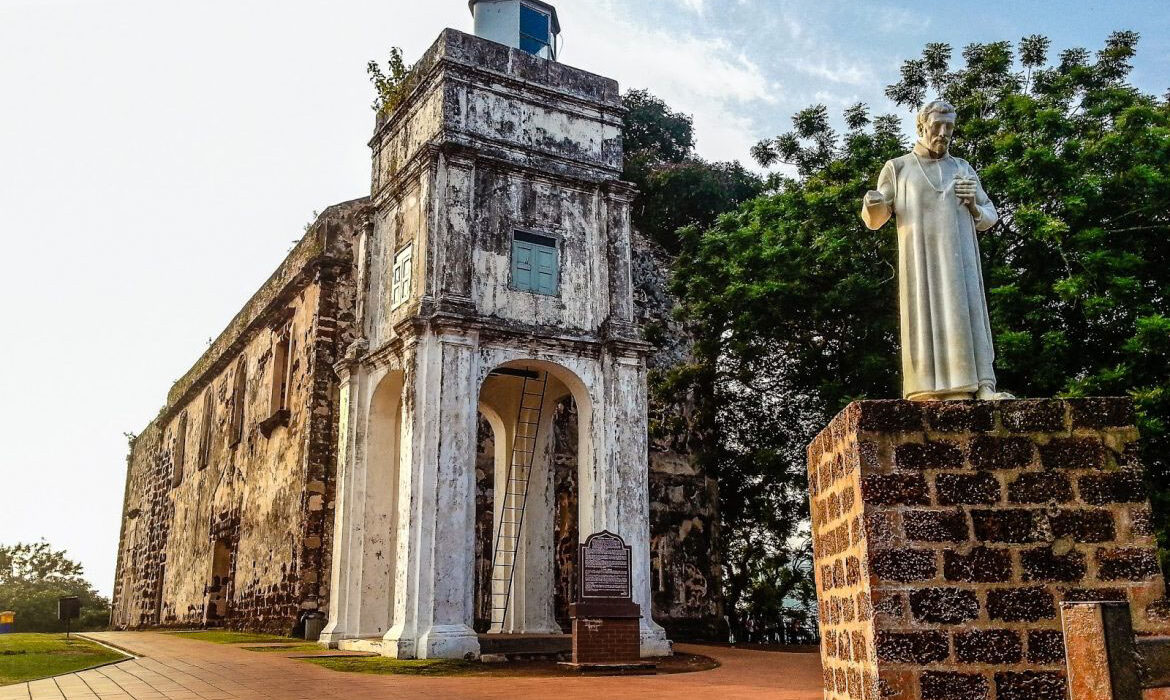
178,456
535,264
401,280
534,30
237,424
280,370
205,429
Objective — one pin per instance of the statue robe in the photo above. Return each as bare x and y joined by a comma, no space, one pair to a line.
945,330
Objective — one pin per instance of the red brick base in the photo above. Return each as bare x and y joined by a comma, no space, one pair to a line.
945,534
605,640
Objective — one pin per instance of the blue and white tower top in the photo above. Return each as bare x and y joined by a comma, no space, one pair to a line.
528,25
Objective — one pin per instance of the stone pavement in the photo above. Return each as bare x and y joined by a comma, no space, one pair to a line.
173,668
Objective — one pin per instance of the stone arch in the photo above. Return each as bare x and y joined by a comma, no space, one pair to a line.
383,461
532,602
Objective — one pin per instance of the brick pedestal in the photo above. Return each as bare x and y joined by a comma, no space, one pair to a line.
946,534
604,640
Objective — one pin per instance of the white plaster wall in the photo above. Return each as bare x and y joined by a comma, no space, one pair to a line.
498,21
400,221
509,202
536,127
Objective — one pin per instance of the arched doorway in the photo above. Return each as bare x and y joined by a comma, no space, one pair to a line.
383,459
218,592
526,517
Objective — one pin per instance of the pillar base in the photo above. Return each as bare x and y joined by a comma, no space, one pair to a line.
448,642
331,636
652,641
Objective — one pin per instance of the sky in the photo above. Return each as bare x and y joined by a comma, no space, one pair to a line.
159,158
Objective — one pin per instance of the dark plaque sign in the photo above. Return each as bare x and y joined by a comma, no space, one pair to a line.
604,563
68,608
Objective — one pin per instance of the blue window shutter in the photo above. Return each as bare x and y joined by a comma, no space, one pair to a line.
522,266
533,30
546,270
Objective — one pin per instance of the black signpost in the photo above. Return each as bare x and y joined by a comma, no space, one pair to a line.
68,608
605,616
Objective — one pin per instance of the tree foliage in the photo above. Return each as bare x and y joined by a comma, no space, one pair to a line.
793,301
680,194
34,576
677,187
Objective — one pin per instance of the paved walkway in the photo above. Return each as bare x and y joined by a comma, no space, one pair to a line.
173,668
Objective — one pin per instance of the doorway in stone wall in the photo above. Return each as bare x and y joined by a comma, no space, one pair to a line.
543,556
218,592
158,594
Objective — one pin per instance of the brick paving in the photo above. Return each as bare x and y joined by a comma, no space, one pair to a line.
173,668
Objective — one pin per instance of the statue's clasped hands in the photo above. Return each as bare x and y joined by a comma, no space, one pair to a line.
965,191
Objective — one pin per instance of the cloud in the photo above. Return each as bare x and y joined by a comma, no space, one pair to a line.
889,19
709,78
696,6
839,71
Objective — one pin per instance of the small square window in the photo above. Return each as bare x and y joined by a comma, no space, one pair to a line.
535,264
403,268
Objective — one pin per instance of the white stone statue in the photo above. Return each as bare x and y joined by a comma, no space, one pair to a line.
940,204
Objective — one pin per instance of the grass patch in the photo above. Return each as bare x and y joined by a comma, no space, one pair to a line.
307,646
227,637
401,667
24,657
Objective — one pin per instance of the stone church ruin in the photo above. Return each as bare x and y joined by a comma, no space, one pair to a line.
410,425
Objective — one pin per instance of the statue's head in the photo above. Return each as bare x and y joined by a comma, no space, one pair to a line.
936,124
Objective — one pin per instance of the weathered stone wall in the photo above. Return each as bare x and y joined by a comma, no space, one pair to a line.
263,497
946,534
684,514
486,141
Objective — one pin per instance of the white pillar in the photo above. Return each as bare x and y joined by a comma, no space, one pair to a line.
625,486
345,573
433,612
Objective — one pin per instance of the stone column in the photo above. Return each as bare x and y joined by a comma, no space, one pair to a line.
434,611
946,533
345,574
621,491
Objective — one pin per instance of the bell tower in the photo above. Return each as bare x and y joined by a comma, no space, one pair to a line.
496,263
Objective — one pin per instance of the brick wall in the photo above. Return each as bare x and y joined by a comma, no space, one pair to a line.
605,640
945,536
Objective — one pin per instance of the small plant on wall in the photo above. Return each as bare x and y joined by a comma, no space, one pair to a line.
391,85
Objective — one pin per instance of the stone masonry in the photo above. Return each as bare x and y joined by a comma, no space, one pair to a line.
234,462
946,534
232,491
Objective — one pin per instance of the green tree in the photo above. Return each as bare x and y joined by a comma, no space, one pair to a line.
34,576
677,188
678,191
793,301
